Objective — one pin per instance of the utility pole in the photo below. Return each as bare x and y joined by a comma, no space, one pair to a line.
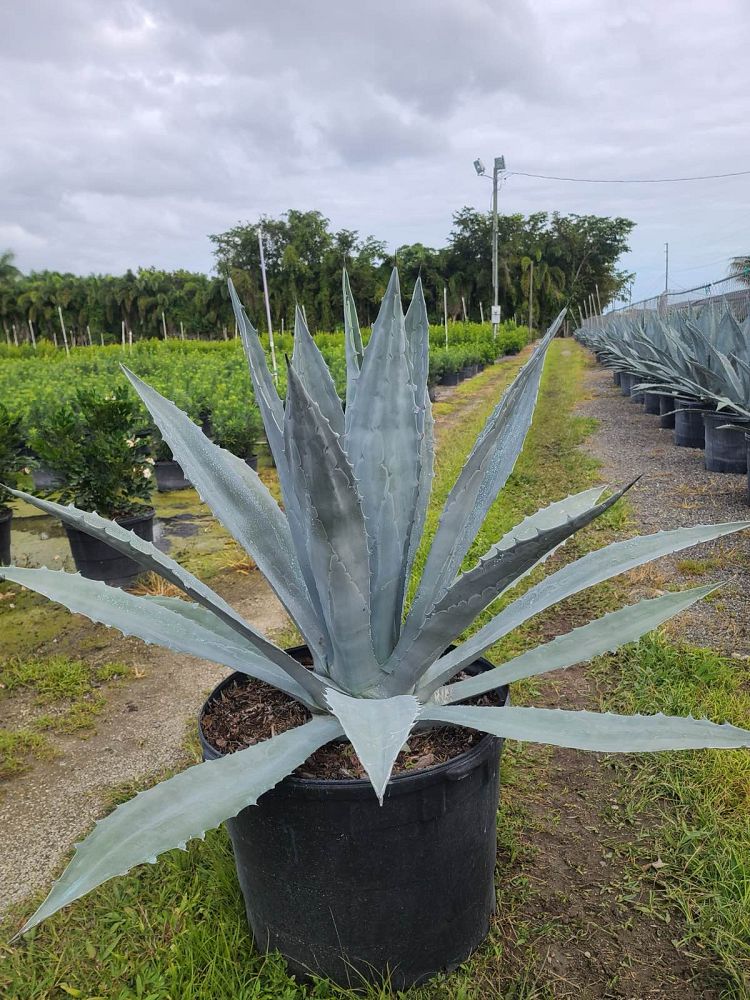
497,169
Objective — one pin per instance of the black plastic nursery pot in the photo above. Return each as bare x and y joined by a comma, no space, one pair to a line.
98,561
353,891
689,429
651,402
6,516
666,411
726,450
450,378
252,461
626,380
616,376
169,476
635,397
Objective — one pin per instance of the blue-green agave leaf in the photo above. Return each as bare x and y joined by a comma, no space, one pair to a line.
272,412
604,635
417,327
243,504
180,809
500,568
313,373
377,728
571,579
604,732
150,619
352,341
147,555
382,443
336,541
482,477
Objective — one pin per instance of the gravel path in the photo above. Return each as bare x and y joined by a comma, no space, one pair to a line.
675,490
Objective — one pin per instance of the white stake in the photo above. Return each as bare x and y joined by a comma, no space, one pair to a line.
182,331
15,335
237,332
101,337
481,313
268,306
123,335
88,331
164,324
531,297
31,331
130,338
445,314
224,330
463,303
7,334
62,327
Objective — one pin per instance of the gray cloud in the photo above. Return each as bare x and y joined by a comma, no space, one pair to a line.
132,129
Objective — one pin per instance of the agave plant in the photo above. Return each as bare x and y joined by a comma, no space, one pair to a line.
703,355
356,485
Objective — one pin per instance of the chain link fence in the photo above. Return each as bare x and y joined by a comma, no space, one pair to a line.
733,291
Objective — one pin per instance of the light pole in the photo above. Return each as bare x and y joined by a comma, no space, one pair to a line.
497,169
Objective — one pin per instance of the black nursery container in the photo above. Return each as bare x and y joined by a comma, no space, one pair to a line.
169,476
348,889
616,377
6,517
626,380
635,397
651,402
726,450
666,411
450,378
98,561
689,429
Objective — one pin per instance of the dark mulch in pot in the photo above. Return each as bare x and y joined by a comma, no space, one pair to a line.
250,711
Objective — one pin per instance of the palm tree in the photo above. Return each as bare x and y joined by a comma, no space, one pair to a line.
739,268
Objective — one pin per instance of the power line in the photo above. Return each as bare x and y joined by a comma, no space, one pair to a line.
628,180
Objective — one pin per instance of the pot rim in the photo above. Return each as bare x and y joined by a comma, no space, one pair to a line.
397,784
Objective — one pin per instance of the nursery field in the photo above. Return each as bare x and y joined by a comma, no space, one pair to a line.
617,876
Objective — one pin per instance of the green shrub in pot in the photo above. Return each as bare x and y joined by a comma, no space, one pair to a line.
99,445
356,486
11,453
11,462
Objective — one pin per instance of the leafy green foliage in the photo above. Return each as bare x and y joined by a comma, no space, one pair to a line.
98,445
11,451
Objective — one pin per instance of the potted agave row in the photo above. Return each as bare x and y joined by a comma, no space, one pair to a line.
695,364
390,874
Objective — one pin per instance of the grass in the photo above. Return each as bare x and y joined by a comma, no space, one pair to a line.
17,746
71,688
703,798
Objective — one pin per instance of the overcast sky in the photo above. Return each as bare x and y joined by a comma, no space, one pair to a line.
131,130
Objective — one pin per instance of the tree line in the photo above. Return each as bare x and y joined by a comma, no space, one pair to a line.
546,261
